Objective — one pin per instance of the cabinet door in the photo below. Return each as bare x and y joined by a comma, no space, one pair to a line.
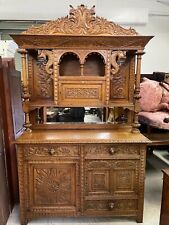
111,187
111,177
53,184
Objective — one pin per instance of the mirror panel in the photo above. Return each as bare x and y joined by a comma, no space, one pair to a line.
86,115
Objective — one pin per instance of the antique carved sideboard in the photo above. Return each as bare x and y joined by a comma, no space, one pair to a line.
81,153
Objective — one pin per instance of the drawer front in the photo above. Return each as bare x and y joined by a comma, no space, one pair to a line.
112,151
33,151
111,207
111,177
76,93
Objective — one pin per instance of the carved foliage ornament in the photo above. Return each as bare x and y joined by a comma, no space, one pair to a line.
80,21
48,56
45,73
117,78
116,56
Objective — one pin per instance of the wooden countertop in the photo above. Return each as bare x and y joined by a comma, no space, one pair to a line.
81,136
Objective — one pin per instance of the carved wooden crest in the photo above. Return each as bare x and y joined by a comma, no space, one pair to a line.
80,21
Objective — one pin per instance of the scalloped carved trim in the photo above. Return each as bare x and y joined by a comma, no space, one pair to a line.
80,21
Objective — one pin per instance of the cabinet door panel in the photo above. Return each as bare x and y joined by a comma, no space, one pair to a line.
125,177
79,94
110,177
53,184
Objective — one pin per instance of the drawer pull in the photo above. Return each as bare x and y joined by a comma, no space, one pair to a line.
52,151
111,205
112,151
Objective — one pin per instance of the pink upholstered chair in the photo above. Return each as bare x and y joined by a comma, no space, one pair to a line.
154,103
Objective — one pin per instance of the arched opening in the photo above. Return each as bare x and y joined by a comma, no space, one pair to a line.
69,65
94,65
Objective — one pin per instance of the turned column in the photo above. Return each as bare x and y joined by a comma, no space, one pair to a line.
25,89
136,124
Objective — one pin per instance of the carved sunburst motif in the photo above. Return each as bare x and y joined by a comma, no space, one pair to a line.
52,185
80,21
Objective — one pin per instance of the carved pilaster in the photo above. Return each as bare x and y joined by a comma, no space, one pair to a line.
20,158
55,76
136,124
108,65
141,184
25,89
30,73
82,179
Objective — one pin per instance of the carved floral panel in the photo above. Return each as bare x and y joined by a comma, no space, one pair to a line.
54,184
45,80
81,93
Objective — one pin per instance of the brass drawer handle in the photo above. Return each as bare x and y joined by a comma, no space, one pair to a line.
111,205
112,150
52,151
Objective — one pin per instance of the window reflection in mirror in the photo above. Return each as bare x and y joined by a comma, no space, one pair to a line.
74,114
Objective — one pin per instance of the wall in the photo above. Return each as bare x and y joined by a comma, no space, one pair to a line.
7,48
156,57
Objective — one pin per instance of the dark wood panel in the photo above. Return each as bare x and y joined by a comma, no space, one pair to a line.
4,191
12,120
164,217
16,103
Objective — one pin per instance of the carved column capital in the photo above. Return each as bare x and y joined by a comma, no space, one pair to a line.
139,53
22,51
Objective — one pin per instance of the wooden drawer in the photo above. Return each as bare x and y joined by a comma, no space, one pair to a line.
111,207
107,151
53,150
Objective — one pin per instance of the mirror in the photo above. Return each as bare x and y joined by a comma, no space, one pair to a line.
88,115
71,114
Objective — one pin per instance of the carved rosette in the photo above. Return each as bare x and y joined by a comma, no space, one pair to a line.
81,21
52,185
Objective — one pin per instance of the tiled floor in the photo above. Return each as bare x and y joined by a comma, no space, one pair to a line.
152,205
